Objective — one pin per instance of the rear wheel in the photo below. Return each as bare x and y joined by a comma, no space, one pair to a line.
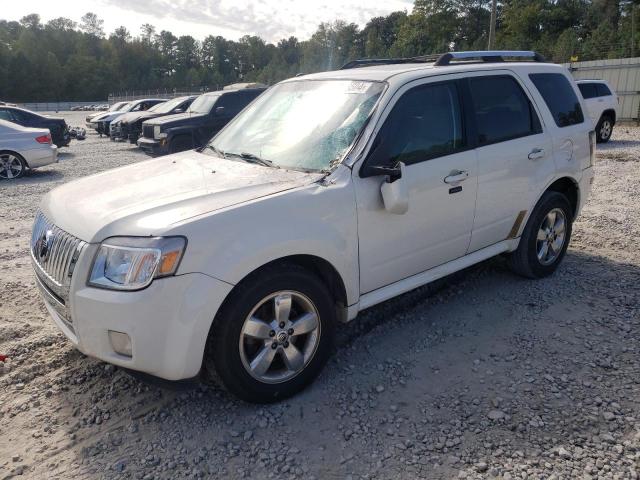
11,165
604,129
545,238
273,335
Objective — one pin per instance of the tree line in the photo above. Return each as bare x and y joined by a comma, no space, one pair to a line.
67,60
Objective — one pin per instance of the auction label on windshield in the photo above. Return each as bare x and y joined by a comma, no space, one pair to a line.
358,87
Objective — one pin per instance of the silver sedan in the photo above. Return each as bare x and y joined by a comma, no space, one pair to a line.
22,148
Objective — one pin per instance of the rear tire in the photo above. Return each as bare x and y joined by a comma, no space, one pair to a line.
12,166
273,335
604,129
545,238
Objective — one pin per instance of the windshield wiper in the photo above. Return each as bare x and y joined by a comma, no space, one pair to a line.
251,158
218,152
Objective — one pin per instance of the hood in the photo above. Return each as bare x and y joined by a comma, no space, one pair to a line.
104,115
149,197
133,117
177,118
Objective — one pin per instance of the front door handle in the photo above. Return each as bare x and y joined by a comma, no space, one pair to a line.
536,153
456,177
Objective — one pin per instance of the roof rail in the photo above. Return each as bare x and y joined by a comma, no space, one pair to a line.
488,56
368,62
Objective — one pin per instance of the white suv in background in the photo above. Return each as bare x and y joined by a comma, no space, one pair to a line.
328,194
602,106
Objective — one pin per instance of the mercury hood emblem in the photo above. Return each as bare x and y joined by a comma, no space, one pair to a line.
43,245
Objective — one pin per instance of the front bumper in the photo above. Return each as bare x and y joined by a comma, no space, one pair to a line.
153,147
167,323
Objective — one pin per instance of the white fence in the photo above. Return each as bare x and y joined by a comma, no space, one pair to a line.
623,74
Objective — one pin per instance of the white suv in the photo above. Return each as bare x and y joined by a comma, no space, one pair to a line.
602,106
328,194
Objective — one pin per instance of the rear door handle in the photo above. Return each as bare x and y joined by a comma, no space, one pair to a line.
456,177
536,153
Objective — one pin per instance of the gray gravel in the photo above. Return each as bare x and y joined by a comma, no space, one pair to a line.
484,375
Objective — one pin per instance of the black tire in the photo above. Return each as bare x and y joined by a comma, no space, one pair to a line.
180,144
16,160
604,129
525,261
223,360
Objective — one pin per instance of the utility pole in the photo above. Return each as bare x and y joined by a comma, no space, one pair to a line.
492,26
633,30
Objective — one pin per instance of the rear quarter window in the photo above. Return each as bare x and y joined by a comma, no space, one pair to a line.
602,90
588,90
559,97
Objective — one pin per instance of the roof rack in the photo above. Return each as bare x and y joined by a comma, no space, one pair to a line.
368,62
444,59
488,56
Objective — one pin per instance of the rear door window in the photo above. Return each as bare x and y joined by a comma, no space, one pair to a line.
232,103
588,90
502,109
559,97
603,90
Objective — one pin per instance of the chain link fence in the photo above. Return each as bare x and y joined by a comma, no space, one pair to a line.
127,96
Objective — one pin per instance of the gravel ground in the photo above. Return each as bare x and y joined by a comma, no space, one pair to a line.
485,375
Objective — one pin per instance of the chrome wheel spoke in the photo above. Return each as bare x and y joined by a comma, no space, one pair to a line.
542,253
256,328
263,360
274,348
282,305
542,235
292,357
559,226
305,324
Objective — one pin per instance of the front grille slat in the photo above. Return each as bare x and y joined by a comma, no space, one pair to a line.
61,247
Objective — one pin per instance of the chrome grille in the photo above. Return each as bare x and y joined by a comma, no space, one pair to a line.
55,252
147,131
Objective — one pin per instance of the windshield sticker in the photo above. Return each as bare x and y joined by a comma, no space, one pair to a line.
358,87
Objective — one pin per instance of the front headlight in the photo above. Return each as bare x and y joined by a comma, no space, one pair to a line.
156,132
131,263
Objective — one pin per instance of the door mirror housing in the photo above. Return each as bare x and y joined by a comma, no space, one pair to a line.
395,192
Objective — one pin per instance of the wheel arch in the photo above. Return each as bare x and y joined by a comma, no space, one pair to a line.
609,113
570,188
316,265
12,152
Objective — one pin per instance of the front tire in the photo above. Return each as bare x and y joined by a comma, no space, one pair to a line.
273,335
181,144
604,129
545,238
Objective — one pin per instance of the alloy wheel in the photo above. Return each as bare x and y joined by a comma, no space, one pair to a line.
279,337
551,236
605,129
10,166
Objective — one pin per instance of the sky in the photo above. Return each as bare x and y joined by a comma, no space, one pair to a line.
270,19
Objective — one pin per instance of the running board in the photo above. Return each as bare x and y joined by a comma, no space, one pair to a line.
385,293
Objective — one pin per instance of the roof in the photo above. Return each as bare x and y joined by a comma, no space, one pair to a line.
405,72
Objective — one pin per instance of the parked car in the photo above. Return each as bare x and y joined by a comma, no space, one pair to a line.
23,148
103,121
56,125
129,125
116,107
205,117
328,194
602,106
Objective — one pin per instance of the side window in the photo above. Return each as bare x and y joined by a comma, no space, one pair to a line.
503,111
6,115
559,97
232,104
588,90
426,122
603,90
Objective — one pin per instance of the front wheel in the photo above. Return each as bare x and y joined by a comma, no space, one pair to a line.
545,238
273,335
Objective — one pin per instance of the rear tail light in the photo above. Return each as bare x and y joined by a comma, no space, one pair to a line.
592,147
44,138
